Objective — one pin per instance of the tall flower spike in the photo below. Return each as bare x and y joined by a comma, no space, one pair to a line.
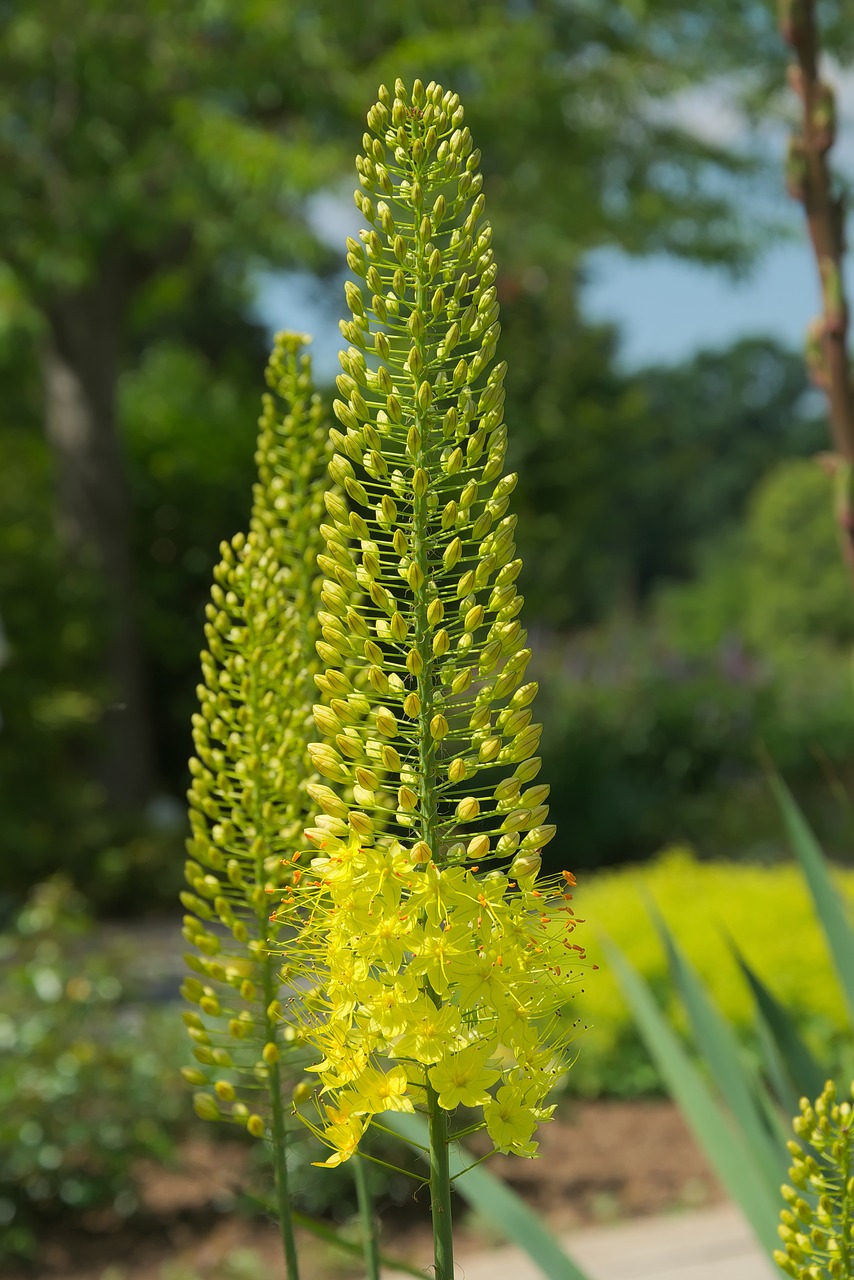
248,799
453,973
817,1224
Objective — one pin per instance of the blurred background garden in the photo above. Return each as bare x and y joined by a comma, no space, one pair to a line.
176,186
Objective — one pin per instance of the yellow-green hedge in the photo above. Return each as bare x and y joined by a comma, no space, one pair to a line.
766,910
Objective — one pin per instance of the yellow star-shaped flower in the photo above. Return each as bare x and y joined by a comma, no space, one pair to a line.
463,1079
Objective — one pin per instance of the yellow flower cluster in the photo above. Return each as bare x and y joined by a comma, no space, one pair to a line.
440,975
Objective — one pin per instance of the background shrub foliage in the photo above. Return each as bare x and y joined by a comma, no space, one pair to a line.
765,910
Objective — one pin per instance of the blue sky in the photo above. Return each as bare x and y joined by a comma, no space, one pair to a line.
667,309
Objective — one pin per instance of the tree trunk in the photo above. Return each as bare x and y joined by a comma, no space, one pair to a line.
80,366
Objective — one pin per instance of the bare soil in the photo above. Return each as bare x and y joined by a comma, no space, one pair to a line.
599,1161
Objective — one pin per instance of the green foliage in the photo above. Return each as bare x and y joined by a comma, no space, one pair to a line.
88,1082
644,744
51,692
190,469
763,909
656,465
189,438
743,1098
775,583
164,120
796,583
180,139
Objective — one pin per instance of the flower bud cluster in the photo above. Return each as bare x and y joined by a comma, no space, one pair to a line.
421,528
817,1225
440,958
247,798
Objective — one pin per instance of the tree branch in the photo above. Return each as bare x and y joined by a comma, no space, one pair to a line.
810,181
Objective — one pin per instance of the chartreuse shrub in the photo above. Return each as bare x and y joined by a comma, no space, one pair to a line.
419,958
703,904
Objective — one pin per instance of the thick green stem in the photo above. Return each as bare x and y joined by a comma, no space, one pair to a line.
270,986
440,1178
278,1130
280,1163
440,1189
370,1243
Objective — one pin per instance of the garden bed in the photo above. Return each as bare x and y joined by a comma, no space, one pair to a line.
600,1161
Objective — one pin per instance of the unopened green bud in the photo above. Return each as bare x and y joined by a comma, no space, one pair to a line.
478,847
438,727
205,1107
386,722
441,642
420,853
193,1075
525,867
436,609
452,554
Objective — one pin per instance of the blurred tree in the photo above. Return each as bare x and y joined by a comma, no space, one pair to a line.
150,148
654,466
775,582
797,587
141,145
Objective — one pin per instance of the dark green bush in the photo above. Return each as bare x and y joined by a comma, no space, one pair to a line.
190,439
644,747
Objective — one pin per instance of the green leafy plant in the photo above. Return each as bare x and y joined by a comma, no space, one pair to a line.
703,906
740,1121
738,1118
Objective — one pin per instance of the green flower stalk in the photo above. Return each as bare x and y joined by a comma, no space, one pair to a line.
817,1225
248,801
441,957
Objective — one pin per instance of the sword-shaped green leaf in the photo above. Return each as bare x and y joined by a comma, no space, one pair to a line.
725,1146
719,1049
825,895
803,1075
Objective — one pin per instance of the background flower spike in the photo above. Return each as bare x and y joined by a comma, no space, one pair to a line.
248,798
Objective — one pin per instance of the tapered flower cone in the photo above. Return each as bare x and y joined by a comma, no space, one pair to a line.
248,799
441,959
